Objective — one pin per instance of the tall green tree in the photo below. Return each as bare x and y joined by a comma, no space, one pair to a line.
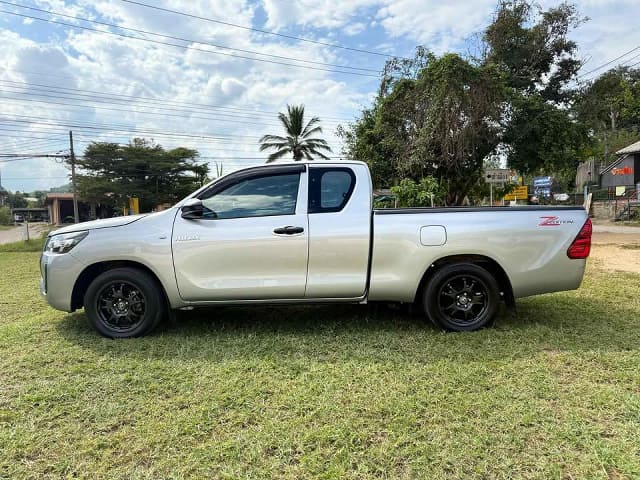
440,124
299,140
531,47
445,117
610,107
111,172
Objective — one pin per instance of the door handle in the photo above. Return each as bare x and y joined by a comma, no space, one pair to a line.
288,230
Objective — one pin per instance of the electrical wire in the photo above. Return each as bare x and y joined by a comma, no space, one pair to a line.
34,90
608,63
266,32
145,32
138,98
184,47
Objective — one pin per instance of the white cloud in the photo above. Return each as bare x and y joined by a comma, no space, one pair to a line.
437,25
354,28
315,13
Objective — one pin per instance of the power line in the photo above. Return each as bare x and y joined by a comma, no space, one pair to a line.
35,89
105,32
608,63
56,124
250,111
266,32
112,127
143,112
138,111
145,32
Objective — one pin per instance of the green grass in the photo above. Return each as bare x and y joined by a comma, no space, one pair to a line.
32,245
6,227
323,392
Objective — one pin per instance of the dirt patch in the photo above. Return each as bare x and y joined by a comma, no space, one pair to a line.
16,234
616,251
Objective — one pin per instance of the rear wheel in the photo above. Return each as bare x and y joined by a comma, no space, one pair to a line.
124,302
461,297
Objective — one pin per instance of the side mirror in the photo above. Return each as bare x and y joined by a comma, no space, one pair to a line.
192,209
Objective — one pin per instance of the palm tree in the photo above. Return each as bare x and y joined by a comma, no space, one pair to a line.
299,140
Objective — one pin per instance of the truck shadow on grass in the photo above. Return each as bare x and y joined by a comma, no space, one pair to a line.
550,323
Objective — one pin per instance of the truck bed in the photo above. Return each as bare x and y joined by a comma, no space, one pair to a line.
528,244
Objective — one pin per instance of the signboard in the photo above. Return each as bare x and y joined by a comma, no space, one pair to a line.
542,181
519,193
622,171
497,175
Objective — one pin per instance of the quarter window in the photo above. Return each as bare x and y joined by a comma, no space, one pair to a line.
255,197
330,188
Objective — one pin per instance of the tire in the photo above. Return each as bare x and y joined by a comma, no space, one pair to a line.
461,297
124,303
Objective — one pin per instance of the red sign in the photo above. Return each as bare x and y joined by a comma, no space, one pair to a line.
622,171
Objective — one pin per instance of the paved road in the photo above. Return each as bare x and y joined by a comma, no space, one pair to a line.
16,234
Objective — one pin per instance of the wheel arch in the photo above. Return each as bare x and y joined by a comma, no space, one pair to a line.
90,273
488,263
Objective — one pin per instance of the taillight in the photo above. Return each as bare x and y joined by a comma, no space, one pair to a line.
581,246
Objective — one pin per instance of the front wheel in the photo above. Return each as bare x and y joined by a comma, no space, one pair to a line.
123,303
461,297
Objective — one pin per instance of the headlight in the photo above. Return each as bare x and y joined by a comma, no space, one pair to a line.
64,242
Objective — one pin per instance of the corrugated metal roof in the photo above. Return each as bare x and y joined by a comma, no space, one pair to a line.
633,148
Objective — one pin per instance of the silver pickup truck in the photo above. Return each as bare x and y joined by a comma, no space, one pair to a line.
306,233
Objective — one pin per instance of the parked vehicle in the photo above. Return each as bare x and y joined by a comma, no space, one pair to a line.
306,233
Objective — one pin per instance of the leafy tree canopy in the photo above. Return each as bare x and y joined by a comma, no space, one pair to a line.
110,173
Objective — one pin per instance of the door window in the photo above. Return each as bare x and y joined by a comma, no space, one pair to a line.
255,197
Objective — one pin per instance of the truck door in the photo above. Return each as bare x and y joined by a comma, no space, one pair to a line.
339,231
251,242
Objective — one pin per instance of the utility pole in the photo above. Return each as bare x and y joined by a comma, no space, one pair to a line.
76,217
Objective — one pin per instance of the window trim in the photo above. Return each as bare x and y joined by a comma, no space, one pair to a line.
313,190
251,174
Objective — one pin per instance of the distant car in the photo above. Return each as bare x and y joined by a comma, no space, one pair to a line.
561,197
18,218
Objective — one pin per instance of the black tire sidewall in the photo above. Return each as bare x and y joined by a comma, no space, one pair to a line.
154,305
444,274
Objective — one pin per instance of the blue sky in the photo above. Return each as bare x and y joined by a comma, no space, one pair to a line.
105,87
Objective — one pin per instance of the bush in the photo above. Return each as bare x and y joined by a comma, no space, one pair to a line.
5,216
423,194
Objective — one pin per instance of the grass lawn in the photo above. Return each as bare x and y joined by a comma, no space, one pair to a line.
323,392
31,245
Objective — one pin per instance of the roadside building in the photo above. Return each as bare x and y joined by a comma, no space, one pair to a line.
625,171
60,207
30,214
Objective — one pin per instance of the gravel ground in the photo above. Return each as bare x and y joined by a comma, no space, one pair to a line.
16,234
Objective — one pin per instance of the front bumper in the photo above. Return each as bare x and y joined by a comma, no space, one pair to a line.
59,273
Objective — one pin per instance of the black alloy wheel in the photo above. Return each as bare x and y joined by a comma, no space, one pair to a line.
462,297
120,306
124,302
